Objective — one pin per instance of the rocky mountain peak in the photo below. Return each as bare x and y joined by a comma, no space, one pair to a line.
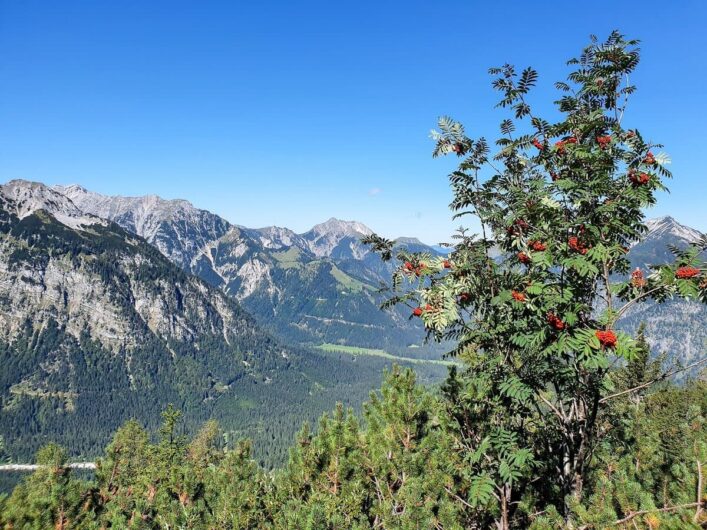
25,198
176,227
408,241
668,226
325,237
337,227
111,207
275,237
71,189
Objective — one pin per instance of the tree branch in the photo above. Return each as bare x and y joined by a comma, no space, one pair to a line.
554,409
643,512
628,304
654,380
698,511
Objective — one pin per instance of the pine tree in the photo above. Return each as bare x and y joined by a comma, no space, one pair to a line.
49,498
410,457
323,485
121,477
236,490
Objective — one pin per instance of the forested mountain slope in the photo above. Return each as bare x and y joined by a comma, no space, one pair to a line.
97,326
317,287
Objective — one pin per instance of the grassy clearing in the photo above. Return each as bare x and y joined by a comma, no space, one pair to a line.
346,281
289,259
354,350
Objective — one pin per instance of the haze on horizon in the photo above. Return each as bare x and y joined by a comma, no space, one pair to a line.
287,115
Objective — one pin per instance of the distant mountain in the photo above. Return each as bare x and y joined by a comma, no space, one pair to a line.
662,232
97,326
441,249
175,227
320,286
677,327
337,239
317,287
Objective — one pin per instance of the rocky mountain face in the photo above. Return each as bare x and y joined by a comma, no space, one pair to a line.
97,325
175,227
316,287
676,328
654,247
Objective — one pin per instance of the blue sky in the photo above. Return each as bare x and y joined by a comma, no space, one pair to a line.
289,113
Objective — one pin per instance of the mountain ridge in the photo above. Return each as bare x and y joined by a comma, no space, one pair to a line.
320,286
315,287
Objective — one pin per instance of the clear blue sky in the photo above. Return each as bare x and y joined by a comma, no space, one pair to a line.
289,113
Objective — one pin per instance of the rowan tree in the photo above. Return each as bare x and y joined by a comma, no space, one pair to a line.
533,299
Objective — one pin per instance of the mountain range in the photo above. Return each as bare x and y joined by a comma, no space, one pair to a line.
317,287
321,286
113,307
97,325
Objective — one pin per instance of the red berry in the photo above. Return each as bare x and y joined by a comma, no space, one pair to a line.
447,264
603,141
524,258
555,321
518,226
575,244
417,311
638,179
637,279
684,273
538,246
409,266
607,338
518,297
458,148
538,145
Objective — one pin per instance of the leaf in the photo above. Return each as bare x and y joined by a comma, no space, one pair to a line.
507,126
663,159
528,78
480,490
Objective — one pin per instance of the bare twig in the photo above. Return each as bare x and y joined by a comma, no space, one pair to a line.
654,380
450,492
633,515
631,302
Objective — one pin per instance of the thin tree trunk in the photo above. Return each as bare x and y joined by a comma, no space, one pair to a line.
504,522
